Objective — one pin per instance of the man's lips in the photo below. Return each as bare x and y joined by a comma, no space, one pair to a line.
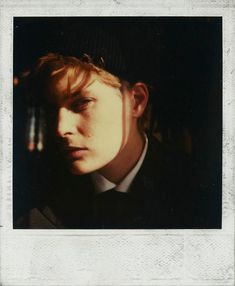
74,152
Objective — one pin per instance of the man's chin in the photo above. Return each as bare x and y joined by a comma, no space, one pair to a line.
83,167
79,169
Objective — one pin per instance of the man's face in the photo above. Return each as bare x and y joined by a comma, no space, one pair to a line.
93,125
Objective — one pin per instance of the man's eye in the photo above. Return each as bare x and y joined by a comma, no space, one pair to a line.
80,105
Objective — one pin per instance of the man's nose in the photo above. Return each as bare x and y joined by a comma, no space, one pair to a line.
66,124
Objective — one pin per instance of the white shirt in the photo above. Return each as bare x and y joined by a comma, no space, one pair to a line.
102,184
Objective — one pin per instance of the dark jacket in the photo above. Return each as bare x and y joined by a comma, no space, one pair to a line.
159,197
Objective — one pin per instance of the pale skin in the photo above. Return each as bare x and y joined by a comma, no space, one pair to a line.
98,127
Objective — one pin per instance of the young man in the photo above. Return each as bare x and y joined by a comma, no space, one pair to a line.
117,176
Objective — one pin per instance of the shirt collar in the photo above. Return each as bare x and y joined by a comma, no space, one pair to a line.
102,184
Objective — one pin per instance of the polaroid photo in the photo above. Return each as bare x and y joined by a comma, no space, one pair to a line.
117,143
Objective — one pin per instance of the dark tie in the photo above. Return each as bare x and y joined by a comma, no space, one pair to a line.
108,208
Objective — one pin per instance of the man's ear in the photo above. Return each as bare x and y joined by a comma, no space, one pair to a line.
140,96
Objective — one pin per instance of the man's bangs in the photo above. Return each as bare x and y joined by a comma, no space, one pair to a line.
76,77
53,68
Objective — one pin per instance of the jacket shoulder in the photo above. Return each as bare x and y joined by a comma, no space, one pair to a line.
38,219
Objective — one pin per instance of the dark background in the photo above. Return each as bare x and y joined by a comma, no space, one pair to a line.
181,57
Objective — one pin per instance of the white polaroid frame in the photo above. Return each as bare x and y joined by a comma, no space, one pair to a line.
117,257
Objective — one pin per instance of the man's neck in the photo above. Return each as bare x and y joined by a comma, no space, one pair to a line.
126,159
